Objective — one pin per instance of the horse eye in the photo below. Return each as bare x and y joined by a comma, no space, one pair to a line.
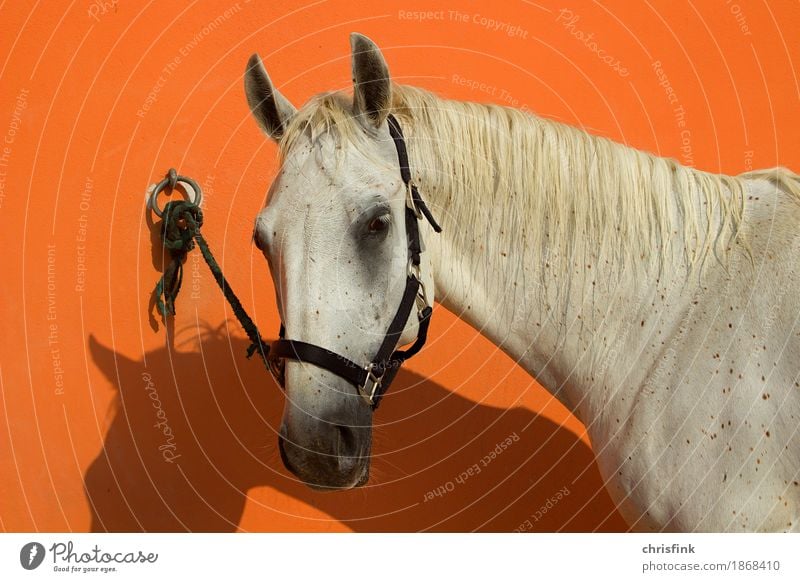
379,224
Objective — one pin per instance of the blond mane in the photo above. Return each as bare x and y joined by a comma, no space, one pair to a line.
565,195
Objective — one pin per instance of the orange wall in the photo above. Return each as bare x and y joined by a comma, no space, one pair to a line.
80,354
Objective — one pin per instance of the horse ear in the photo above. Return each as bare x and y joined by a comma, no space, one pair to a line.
372,95
271,109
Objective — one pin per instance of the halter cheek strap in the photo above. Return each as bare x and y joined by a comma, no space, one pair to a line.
373,379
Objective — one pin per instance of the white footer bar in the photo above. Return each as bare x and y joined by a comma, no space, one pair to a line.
388,557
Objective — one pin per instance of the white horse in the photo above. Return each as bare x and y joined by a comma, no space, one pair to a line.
659,303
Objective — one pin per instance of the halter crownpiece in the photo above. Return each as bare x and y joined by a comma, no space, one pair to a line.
373,379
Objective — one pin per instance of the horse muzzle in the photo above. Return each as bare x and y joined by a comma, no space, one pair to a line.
334,458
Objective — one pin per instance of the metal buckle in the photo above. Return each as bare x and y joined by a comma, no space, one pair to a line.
410,202
421,301
414,271
369,393
422,295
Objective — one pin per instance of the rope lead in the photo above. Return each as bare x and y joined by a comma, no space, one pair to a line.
180,232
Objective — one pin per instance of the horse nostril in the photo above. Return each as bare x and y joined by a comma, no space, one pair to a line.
346,441
347,457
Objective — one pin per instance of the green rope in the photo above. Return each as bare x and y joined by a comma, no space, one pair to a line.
180,232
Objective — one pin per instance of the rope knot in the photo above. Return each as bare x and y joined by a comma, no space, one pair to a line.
182,222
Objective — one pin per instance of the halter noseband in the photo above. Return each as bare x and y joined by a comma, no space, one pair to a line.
373,380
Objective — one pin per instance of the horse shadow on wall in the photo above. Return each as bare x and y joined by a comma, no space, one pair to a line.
222,414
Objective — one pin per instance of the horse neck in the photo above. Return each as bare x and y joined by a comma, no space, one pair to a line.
567,343
566,327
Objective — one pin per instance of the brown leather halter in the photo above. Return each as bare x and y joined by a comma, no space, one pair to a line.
373,379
